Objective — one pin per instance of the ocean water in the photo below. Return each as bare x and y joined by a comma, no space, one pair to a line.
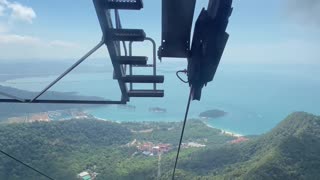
256,97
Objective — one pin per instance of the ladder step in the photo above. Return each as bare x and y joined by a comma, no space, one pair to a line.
125,4
133,60
146,93
128,34
143,79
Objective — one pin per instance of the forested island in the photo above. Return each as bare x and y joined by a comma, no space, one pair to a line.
211,114
136,150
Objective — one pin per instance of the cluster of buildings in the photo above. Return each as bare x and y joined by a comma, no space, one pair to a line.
192,145
38,117
87,175
238,140
68,114
150,149
50,116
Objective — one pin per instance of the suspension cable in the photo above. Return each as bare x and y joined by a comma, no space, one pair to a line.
26,165
182,132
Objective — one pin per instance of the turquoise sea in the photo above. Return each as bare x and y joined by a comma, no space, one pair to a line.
256,97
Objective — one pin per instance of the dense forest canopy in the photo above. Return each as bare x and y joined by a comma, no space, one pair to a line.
65,148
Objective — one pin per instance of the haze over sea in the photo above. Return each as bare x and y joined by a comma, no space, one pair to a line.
256,97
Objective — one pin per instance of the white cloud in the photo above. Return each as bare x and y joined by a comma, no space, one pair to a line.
295,51
305,13
1,10
22,13
17,46
3,28
19,12
14,46
17,39
64,44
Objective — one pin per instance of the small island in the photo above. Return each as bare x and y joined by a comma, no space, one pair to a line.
211,114
157,110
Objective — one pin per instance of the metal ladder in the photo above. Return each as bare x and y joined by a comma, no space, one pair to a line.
114,36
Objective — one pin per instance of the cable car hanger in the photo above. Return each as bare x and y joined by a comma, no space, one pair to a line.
209,40
204,54
208,43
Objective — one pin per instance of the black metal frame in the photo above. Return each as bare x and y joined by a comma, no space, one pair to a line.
104,17
114,49
47,101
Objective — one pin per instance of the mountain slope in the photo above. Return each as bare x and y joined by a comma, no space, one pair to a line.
57,147
63,149
290,151
295,144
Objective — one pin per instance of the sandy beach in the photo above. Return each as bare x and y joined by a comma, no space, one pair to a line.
225,132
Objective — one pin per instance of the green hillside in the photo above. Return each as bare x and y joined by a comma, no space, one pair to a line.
56,148
290,151
63,149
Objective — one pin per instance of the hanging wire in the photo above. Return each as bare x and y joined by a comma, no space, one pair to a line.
182,132
182,71
26,165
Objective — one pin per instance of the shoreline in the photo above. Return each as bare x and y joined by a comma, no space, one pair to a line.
88,115
224,131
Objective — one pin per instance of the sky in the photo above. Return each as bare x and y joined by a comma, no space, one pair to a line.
261,32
